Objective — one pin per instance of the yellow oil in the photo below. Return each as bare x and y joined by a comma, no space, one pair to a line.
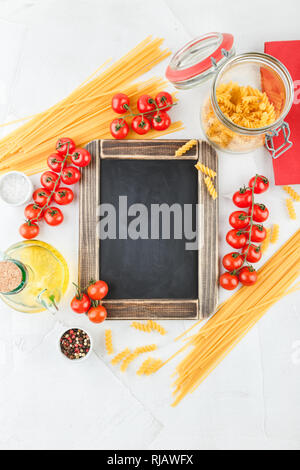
46,270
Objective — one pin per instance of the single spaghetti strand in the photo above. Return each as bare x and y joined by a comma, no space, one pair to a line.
153,325
291,209
205,170
119,357
108,342
184,148
294,195
274,234
210,187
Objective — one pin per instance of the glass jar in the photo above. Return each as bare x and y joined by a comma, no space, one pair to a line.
266,77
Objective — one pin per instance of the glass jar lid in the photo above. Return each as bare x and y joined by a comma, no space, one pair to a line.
199,59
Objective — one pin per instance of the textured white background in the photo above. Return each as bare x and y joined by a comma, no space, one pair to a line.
252,399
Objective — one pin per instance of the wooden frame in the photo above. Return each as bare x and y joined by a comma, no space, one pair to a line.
89,244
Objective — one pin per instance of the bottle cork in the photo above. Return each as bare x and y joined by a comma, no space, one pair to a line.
10,276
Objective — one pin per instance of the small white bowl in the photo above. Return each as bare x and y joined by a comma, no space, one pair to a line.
22,178
82,358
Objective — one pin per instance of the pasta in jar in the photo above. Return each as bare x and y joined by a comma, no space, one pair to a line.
244,106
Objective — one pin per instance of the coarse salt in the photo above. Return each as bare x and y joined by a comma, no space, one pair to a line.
14,188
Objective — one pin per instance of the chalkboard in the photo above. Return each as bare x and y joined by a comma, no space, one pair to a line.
151,275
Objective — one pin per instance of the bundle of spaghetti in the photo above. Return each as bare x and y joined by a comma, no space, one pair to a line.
153,325
265,244
185,148
210,187
294,195
274,234
237,316
205,170
86,113
291,209
150,366
108,342
119,357
141,326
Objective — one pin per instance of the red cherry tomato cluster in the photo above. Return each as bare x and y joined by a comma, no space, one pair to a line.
51,190
152,114
88,301
246,229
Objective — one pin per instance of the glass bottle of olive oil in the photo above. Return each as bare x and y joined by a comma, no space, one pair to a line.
33,277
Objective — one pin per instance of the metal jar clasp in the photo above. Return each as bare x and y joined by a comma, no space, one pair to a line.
269,142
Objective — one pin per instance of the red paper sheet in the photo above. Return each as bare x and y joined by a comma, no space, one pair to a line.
287,166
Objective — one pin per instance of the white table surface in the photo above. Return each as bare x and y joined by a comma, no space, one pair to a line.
252,399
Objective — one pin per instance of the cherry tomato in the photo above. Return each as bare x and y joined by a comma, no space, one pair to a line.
258,233
164,100
260,212
41,196
64,144
63,196
80,304
70,175
120,103
53,216
98,290
233,261
33,212
55,162
161,121
254,254
248,276
119,128
81,157
141,125
97,314
242,198
29,230
146,104
228,281
49,180
236,239
239,219
261,185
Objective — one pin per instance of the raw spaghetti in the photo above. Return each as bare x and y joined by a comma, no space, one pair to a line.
237,316
86,113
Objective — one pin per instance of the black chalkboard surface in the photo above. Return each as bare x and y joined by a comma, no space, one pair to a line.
149,268
150,274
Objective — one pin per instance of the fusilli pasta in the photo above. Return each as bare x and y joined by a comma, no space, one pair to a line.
108,342
294,195
141,326
274,234
136,353
265,244
291,209
150,366
119,357
245,106
210,187
184,148
205,170
153,325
